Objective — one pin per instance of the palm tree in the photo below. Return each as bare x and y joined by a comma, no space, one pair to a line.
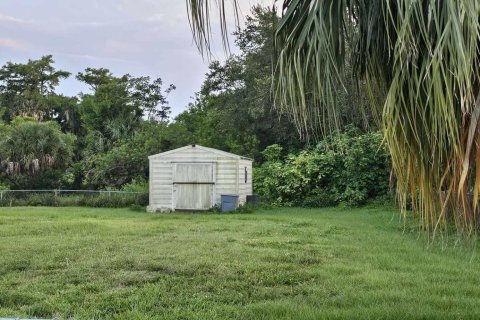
30,147
423,54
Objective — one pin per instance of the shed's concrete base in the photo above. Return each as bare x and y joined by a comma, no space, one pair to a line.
154,209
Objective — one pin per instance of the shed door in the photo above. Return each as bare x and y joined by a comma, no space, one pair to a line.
193,186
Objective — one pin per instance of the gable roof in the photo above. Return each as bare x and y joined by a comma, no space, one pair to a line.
198,147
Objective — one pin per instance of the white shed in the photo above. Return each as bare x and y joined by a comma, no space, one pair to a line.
194,177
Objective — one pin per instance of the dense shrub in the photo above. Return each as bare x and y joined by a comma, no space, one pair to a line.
115,200
128,159
100,200
137,185
344,169
34,155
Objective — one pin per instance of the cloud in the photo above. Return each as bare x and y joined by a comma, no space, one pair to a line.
90,24
139,37
13,44
113,45
156,17
88,57
10,19
6,18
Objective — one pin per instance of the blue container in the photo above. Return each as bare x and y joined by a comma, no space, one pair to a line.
228,202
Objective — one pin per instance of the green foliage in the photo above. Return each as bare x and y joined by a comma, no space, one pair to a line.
128,159
114,200
97,200
101,139
422,57
246,208
114,110
234,109
347,168
33,154
40,199
28,89
137,185
108,116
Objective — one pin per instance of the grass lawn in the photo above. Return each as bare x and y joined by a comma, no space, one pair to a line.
288,263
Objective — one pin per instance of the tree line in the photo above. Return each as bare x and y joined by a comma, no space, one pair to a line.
102,139
51,141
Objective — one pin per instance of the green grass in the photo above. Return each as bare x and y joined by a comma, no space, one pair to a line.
288,263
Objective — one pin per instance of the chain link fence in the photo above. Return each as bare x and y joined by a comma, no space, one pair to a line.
69,198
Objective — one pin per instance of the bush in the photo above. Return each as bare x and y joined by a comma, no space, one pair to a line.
114,200
321,199
102,200
137,185
41,199
72,200
347,168
246,208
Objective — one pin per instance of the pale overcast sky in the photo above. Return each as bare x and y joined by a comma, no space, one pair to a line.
140,37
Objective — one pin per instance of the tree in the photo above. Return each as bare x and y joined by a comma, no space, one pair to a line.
95,77
116,116
105,131
66,113
234,108
34,154
128,160
26,89
424,55
143,93
150,96
117,105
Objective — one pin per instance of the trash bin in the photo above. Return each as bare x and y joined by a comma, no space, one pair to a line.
229,202
253,200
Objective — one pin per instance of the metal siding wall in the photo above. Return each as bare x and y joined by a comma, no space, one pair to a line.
226,178
162,175
194,196
191,155
161,179
193,188
193,172
245,189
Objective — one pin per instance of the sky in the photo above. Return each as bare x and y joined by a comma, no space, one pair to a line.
139,37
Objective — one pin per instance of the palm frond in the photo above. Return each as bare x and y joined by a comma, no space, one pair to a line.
199,14
425,57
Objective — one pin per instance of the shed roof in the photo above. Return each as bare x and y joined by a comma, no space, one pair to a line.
198,147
